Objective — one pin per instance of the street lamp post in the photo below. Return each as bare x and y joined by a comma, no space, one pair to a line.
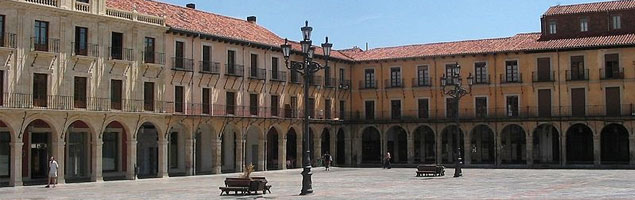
452,86
307,68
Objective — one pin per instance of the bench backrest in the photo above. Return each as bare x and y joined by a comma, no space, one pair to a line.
427,168
237,182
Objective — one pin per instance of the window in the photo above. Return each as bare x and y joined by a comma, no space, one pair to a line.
110,151
148,55
311,108
369,78
275,101
395,109
481,106
274,68
2,42
116,46
40,85
616,22
231,61
342,75
207,59
423,75
148,96
552,27
253,104
174,150
179,62
206,101
544,70
449,72
584,25
294,106
577,68
79,92
327,76
327,109
178,99
395,77
295,78
342,110
230,101
83,1
544,102
613,101
254,66
612,66
116,87
480,72
423,108
41,37
451,108
369,110
512,106
81,41
511,72
578,102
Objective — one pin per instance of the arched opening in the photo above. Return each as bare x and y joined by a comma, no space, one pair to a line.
325,142
292,149
483,149
272,149
37,148
77,152
579,144
371,146
340,158
229,142
546,143
425,145
176,151
513,145
397,144
251,148
5,152
204,150
450,146
114,154
147,151
614,143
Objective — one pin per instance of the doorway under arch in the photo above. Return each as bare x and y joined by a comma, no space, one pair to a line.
397,144
513,145
546,145
614,144
371,146
483,149
147,151
425,145
579,144
449,141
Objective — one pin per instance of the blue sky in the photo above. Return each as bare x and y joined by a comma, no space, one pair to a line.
384,23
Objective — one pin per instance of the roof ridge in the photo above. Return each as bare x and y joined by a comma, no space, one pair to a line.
198,10
451,42
590,3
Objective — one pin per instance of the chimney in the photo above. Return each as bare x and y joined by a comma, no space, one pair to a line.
251,19
191,5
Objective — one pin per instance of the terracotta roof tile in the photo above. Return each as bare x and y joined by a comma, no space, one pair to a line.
591,7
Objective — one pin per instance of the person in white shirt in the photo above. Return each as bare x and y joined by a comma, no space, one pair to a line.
52,172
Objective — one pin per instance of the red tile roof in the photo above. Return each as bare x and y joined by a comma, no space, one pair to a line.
591,7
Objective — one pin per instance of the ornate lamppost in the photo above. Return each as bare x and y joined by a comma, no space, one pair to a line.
307,68
452,86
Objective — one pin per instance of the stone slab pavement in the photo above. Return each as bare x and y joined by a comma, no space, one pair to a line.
363,183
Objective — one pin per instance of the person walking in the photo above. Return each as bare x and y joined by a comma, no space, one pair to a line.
387,161
327,161
53,166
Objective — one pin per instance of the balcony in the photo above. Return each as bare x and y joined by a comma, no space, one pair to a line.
209,67
234,70
257,73
53,3
295,77
344,84
329,82
577,75
151,57
182,64
45,45
81,6
612,74
90,50
482,80
8,40
393,83
544,77
134,16
416,82
279,76
368,84
315,80
120,53
511,78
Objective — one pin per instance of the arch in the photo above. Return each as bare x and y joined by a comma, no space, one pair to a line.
204,149
397,144
148,137
340,157
449,143
292,149
513,145
177,137
424,145
38,138
325,141
546,144
230,140
614,144
579,144
5,150
272,149
114,149
483,145
252,145
77,151
371,146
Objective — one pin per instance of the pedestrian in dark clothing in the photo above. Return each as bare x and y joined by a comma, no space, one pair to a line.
327,161
387,161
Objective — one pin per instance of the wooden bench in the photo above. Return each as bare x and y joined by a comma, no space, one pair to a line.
434,170
264,182
245,185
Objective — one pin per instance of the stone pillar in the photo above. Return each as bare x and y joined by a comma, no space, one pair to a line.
260,165
299,145
282,152
411,149
58,151
217,152
16,164
132,159
467,148
163,159
189,156
348,147
563,147
317,152
530,149
597,150
499,149
240,146
96,161
631,147
439,148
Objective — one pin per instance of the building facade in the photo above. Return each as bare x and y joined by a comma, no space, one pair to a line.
118,89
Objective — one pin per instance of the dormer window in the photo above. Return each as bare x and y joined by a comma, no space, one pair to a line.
584,25
616,22
552,27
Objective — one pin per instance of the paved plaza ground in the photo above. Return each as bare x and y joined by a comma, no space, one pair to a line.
366,183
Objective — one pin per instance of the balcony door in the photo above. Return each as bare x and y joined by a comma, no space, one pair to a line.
231,61
369,78
116,51
544,69
395,109
40,85
81,41
369,109
578,102
116,87
577,68
41,36
79,93
395,77
544,103
613,102
179,55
